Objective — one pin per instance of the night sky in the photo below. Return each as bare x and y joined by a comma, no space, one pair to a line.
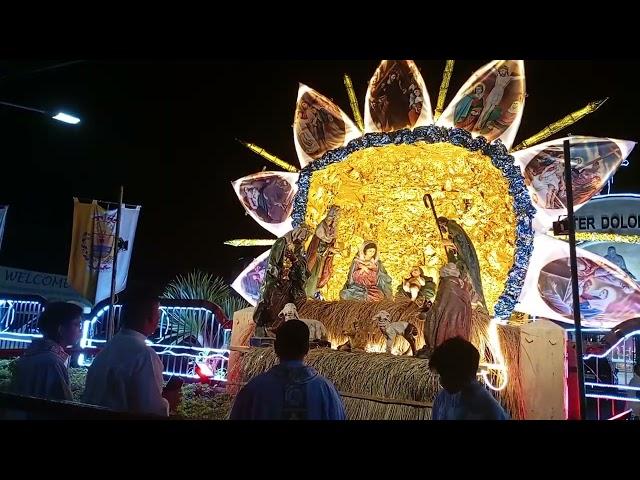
166,131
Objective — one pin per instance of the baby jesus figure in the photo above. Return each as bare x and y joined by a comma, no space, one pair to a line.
414,282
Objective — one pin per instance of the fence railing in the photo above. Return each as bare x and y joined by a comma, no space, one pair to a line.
190,334
19,320
608,372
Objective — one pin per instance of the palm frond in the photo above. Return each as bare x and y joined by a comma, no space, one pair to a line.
190,328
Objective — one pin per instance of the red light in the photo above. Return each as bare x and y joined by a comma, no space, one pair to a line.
204,372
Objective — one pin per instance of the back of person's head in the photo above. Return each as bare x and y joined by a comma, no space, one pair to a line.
292,340
141,313
456,360
60,322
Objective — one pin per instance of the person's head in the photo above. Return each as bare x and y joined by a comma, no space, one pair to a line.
393,76
417,272
450,270
141,314
479,89
456,361
503,71
442,224
611,250
289,312
61,322
382,317
515,106
370,250
292,340
577,160
332,214
299,234
251,193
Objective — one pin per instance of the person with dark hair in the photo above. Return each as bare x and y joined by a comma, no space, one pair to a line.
127,374
43,369
462,398
290,390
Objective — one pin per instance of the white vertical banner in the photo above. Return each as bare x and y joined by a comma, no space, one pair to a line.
3,217
92,249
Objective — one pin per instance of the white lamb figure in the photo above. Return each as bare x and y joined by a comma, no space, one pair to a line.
391,330
317,330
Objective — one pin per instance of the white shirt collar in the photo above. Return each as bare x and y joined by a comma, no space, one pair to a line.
133,333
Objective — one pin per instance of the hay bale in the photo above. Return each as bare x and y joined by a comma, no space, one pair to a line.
396,379
358,409
338,316
389,379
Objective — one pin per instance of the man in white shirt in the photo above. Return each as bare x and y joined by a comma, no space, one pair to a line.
42,370
127,374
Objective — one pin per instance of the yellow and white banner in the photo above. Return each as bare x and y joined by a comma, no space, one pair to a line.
3,217
92,249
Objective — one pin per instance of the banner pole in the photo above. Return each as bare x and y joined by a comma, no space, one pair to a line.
116,248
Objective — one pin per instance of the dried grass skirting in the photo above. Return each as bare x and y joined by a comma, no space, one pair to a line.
400,388
348,371
234,375
512,396
338,316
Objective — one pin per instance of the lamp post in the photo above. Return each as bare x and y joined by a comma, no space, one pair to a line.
60,116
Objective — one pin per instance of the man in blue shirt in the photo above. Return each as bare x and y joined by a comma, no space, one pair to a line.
462,398
289,390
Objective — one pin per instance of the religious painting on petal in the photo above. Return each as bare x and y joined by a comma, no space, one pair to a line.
608,295
319,126
603,291
593,161
490,103
268,198
249,282
396,98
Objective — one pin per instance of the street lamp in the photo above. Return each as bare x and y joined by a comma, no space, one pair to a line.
63,117
60,116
